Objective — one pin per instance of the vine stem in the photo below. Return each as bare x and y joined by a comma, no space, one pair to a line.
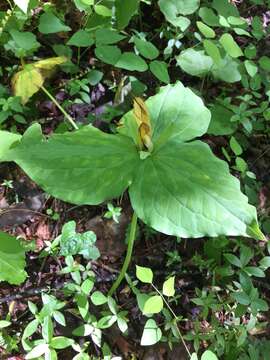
63,111
131,239
174,315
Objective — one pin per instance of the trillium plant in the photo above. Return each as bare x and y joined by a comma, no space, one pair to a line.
176,184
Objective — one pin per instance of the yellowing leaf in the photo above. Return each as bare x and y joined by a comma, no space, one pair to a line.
143,121
49,64
27,82
168,287
30,79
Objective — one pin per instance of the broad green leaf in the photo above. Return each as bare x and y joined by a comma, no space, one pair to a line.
221,123
225,8
132,62
241,32
30,329
83,330
49,24
227,70
94,77
12,260
24,40
173,9
191,201
144,274
194,62
61,342
236,21
153,305
212,50
233,260
242,298
107,36
146,48
265,262
98,298
160,70
84,5
168,287
264,62
172,103
194,356
209,355
81,38
208,16
230,46
103,10
251,67
124,12
206,30
108,54
69,165
6,140
22,4
151,333
254,271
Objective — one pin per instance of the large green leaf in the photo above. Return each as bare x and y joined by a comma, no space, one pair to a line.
125,9
174,9
50,24
194,62
131,62
221,123
12,260
227,70
184,190
84,167
6,140
175,112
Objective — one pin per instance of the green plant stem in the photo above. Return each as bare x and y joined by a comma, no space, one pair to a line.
131,239
63,111
174,315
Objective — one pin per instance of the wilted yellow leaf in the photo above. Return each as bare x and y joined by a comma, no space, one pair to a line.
27,82
143,121
49,64
30,79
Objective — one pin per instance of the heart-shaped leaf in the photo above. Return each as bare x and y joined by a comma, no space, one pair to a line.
174,9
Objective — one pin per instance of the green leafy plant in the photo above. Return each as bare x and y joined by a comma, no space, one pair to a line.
157,303
113,212
154,158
